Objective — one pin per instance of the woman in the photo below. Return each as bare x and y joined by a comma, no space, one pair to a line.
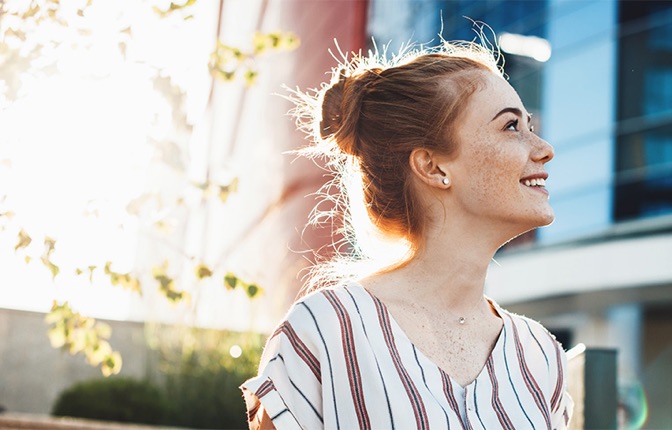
450,166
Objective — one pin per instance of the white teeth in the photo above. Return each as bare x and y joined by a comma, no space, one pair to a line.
538,182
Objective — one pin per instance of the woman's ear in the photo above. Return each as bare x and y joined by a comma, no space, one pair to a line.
425,165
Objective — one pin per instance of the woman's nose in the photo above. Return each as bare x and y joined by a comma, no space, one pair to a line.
543,151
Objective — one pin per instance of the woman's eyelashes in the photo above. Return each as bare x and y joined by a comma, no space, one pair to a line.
513,126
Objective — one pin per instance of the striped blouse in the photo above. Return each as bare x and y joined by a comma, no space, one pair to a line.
340,361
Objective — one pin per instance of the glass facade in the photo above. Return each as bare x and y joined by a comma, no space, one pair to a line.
511,16
579,112
516,17
644,142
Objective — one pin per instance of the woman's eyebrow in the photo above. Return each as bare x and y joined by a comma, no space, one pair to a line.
512,110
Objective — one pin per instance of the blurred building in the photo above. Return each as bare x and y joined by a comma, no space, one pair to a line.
597,76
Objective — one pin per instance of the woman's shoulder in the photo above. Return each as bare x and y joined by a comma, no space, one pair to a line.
323,305
526,329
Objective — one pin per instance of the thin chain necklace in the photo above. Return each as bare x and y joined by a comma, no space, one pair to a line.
462,319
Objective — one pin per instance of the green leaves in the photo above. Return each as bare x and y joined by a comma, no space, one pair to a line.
252,290
88,270
174,7
22,43
49,246
76,334
203,271
24,240
226,190
54,269
167,284
231,282
125,280
228,62
263,42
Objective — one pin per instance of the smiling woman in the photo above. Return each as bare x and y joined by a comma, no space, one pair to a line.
449,166
495,127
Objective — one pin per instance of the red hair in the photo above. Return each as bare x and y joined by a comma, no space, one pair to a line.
375,112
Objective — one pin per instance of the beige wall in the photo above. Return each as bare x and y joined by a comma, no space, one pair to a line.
32,373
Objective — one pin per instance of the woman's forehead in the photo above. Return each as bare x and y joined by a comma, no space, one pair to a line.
495,95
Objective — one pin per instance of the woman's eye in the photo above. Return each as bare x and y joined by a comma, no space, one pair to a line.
513,125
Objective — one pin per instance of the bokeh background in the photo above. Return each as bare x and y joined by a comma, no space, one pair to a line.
153,219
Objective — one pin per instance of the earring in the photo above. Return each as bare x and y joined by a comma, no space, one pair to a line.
445,181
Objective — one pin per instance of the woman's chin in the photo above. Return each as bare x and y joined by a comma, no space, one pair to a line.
548,219
540,220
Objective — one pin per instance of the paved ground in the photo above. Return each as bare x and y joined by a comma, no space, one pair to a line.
41,422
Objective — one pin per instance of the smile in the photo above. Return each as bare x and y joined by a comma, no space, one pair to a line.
539,182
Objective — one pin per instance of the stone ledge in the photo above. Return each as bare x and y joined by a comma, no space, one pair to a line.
13,421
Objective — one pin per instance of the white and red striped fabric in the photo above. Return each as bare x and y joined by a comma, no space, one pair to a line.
339,361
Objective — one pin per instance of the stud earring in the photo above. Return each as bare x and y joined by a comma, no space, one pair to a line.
445,181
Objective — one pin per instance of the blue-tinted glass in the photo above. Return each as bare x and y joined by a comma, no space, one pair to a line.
660,21
526,17
658,91
644,149
644,186
658,149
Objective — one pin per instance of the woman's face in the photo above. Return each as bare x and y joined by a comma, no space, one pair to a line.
498,170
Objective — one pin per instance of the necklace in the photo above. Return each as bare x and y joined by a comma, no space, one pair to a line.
462,319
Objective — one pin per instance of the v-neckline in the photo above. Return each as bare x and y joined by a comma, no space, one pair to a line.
495,349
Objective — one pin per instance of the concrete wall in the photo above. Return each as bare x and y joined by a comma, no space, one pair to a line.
32,373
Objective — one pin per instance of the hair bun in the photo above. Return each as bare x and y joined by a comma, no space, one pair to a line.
342,105
332,112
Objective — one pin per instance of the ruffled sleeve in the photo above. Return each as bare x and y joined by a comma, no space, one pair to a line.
289,386
563,406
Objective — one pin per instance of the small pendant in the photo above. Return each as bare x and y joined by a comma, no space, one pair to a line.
461,320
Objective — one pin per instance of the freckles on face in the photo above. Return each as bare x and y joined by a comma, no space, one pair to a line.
494,153
493,171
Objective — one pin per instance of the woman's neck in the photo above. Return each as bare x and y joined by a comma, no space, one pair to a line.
448,270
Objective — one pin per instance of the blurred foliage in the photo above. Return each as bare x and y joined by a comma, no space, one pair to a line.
173,7
167,284
115,399
228,62
79,334
21,47
198,387
203,371
231,282
32,34
125,280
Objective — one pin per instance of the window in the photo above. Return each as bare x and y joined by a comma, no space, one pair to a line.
644,132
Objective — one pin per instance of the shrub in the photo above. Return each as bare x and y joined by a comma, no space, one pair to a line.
113,399
199,384
203,388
